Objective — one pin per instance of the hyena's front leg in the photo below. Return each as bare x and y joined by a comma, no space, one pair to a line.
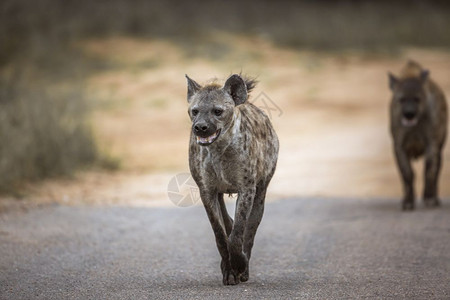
213,210
407,173
227,220
432,167
238,259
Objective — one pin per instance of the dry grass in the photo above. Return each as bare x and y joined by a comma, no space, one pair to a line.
43,132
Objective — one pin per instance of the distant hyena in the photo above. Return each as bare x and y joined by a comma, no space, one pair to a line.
233,149
419,127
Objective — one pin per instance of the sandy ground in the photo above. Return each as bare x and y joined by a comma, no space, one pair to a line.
330,111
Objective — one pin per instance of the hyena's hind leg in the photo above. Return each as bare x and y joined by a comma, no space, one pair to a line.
227,220
253,223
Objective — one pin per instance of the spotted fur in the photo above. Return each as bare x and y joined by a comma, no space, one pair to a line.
242,160
418,114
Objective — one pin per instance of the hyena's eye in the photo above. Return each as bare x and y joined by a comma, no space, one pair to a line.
194,112
218,112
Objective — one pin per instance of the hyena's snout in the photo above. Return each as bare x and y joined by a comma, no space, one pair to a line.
410,112
206,133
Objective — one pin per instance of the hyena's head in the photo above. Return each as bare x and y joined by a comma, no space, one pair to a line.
211,107
408,95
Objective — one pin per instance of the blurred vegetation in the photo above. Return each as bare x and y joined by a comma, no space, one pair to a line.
310,23
44,116
51,25
43,132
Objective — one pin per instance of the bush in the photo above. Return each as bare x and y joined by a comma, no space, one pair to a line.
44,126
43,131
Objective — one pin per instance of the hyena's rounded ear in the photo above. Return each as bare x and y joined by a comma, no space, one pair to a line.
235,86
193,87
424,75
393,81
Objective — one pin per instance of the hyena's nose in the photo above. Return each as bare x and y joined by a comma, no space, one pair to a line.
201,127
409,115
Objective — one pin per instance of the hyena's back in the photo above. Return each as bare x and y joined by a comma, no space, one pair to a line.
259,140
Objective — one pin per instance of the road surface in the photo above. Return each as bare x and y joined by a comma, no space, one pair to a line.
305,249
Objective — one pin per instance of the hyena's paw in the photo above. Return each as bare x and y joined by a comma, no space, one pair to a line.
432,202
229,277
239,263
244,276
407,204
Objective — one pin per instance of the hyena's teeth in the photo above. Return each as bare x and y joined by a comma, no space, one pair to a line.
208,139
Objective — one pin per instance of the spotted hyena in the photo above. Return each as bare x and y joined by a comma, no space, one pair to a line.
233,149
419,128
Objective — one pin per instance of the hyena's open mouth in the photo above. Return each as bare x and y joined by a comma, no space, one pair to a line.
409,122
205,141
